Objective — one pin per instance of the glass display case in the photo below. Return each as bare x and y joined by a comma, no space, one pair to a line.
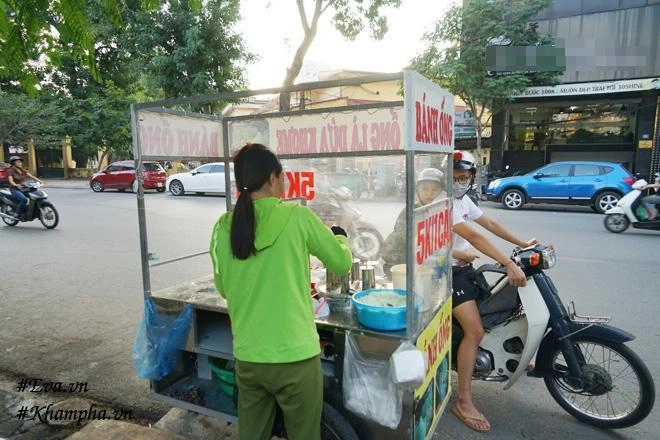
380,171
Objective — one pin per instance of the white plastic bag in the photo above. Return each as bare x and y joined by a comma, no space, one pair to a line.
408,366
368,390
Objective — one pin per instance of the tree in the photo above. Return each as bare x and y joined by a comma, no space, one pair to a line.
154,54
350,18
455,56
185,52
31,29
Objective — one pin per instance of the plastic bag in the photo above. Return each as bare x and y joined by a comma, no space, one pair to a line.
408,366
158,340
368,390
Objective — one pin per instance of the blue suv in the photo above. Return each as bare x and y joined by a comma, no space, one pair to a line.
596,184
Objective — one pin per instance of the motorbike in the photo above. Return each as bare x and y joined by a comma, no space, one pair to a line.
37,207
629,210
334,208
584,362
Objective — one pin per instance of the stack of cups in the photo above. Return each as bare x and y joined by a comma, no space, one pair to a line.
368,277
355,270
337,283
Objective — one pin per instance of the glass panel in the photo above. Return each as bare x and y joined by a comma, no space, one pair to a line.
556,171
204,169
153,167
604,123
586,170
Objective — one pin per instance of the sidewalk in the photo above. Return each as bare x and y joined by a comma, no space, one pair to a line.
66,183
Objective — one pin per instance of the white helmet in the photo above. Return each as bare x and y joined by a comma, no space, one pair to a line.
430,174
464,161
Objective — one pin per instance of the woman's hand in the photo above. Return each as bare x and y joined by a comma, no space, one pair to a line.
530,242
468,257
516,276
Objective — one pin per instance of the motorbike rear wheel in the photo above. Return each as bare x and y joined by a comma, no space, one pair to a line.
48,215
616,223
6,209
617,391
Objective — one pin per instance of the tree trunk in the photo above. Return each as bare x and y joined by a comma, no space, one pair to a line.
479,161
296,65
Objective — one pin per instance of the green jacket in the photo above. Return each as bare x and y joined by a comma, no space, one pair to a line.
268,294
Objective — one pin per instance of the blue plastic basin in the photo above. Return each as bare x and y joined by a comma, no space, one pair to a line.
380,317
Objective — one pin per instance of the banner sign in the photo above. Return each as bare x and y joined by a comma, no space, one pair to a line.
429,111
595,88
174,136
431,398
352,131
432,230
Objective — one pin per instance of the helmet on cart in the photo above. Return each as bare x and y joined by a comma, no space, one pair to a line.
431,175
464,161
14,159
429,185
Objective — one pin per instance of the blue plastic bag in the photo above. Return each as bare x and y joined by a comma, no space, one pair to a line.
158,341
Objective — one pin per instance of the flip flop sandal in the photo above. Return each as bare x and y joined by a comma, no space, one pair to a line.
470,421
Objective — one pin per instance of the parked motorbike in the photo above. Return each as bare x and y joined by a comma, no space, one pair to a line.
629,210
585,364
36,208
334,208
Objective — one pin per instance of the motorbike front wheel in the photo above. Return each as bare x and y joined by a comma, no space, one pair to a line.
617,389
48,215
366,244
616,223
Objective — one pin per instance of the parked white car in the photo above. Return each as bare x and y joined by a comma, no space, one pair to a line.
209,177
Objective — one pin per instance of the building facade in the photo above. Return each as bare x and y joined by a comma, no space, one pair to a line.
607,105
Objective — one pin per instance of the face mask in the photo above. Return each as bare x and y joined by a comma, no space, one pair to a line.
460,189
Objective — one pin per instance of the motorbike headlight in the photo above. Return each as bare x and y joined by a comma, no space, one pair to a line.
549,258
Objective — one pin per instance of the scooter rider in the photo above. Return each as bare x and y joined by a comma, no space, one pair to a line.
464,280
17,176
651,200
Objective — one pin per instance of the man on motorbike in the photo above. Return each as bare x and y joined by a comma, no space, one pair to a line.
651,200
429,187
17,176
464,280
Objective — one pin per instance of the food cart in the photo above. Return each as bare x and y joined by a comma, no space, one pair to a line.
327,151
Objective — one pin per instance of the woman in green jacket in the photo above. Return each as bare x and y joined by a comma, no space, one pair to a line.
260,254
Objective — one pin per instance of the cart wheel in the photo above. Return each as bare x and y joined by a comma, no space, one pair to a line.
334,426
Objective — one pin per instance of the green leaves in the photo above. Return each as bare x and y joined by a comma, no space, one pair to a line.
30,29
455,56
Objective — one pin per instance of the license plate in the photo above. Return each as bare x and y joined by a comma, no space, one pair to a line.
159,184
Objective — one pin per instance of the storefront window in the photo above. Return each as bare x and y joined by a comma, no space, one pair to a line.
533,128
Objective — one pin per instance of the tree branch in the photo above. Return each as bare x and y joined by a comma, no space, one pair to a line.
303,15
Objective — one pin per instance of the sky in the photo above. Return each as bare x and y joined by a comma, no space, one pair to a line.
272,30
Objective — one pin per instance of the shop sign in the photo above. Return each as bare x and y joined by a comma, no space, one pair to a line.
172,136
338,132
629,85
429,112
432,231
432,396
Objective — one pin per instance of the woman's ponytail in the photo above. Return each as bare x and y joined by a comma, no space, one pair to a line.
253,165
